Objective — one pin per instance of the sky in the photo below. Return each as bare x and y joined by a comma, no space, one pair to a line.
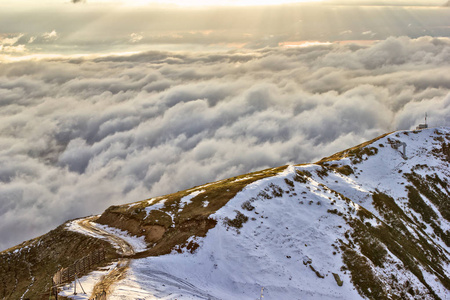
111,102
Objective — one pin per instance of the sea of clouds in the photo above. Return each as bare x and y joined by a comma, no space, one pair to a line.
80,134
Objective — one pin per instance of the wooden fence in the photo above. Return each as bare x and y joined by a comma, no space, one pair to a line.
81,266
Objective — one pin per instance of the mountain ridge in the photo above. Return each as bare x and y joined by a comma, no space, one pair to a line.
362,223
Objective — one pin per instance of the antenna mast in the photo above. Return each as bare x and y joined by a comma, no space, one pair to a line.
425,118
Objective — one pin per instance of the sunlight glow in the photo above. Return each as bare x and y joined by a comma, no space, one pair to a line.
54,57
303,44
206,2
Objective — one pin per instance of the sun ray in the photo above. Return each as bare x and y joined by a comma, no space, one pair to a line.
193,3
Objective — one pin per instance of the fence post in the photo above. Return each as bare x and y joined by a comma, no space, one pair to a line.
54,290
81,266
75,285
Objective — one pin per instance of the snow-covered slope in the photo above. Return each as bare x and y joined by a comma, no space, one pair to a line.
371,224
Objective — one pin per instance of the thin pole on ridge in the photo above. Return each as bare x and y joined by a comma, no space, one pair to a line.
75,285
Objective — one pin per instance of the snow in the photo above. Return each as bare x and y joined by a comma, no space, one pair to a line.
76,227
87,283
288,235
434,282
138,243
156,206
236,265
242,179
144,282
28,288
134,204
187,199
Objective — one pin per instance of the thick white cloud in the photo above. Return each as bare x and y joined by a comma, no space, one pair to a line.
78,135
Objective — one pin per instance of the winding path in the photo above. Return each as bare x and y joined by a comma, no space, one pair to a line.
159,278
120,269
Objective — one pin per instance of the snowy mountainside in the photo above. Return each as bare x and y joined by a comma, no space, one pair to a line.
371,224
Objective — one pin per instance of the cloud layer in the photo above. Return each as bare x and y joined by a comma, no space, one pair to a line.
78,135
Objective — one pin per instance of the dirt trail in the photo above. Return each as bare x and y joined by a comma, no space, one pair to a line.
119,271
